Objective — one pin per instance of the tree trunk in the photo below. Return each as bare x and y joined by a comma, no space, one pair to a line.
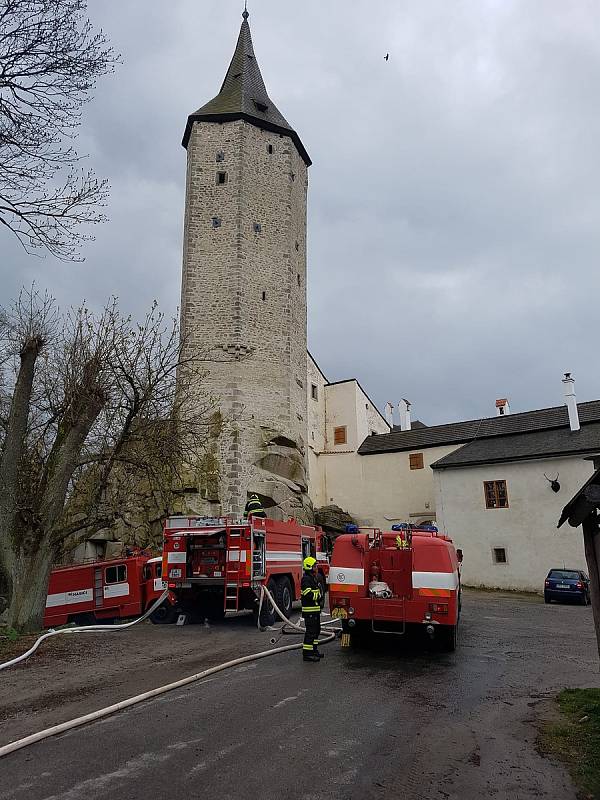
591,542
13,450
30,587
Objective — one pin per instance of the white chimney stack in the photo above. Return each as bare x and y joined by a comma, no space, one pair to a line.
570,400
502,407
389,414
404,408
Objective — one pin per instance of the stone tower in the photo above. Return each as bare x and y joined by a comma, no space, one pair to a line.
244,291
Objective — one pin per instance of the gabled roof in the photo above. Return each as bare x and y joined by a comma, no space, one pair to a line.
416,423
243,95
556,442
485,428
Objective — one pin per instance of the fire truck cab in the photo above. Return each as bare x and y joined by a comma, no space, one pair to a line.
101,591
217,565
384,582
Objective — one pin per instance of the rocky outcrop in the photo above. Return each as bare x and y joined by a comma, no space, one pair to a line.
280,479
333,519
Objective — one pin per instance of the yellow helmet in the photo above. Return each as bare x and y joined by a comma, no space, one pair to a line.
309,563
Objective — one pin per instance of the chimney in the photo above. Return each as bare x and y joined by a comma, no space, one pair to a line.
569,384
389,414
502,407
404,408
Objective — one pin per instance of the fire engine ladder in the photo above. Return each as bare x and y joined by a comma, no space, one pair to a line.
259,556
233,567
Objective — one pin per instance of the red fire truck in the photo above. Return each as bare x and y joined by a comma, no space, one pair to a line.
101,591
386,581
216,565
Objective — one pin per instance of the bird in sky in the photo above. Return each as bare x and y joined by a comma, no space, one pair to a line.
386,57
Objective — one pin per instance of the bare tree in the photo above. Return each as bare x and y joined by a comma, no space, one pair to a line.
92,413
50,59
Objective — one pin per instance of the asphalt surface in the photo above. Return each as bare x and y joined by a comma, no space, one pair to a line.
390,720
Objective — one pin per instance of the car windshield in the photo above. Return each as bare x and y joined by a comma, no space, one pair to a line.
564,574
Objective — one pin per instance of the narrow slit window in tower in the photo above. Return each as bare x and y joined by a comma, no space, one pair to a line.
270,149
298,276
220,156
264,295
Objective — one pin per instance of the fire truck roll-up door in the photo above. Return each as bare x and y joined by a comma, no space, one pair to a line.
98,588
259,556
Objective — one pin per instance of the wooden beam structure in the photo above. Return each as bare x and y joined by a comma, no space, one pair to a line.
582,509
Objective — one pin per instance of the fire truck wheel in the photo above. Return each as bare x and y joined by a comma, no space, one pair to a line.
267,616
84,619
448,638
164,615
283,596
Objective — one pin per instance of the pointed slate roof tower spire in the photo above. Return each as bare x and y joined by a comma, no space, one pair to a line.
243,96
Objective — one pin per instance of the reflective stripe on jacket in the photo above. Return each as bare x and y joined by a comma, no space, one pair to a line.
311,595
254,508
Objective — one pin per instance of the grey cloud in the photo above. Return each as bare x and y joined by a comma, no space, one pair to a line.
453,208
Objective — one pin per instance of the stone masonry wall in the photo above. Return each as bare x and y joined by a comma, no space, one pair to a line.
244,301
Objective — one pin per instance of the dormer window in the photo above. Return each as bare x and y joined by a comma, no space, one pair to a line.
262,107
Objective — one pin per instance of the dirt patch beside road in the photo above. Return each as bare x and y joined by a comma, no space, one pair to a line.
78,673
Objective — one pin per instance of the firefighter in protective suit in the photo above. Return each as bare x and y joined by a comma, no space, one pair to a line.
254,508
312,603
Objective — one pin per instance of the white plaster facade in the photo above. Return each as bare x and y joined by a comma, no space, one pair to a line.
526,530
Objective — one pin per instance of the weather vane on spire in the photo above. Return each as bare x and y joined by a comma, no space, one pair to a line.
246,13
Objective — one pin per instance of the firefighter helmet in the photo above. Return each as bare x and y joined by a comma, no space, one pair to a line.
309,563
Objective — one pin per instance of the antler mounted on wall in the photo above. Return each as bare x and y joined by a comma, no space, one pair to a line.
554,484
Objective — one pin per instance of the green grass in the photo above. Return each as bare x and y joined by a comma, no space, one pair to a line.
576,740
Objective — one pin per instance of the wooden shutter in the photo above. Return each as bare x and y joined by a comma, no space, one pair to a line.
416,460
339,435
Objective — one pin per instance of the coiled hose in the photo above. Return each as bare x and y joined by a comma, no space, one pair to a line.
288,624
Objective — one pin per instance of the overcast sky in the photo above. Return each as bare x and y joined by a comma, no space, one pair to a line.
454,195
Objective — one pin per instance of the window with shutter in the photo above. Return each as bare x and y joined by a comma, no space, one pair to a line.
339,435
416,460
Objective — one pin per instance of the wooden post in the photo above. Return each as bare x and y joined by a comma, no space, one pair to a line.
591,542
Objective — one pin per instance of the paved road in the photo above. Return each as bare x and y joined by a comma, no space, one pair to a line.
391,721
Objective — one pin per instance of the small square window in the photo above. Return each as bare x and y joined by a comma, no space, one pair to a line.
339,435
416,460
221,178
257,227
499,554
220,157
216,222
314,391
116,574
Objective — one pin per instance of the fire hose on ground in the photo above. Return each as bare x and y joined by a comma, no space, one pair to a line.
131,701
83,629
